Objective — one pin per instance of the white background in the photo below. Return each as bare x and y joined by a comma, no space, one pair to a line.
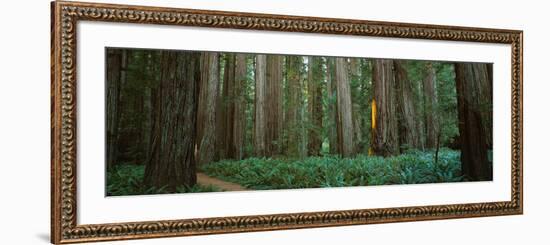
24,128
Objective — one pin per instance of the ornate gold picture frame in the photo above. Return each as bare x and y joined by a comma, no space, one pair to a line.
64,107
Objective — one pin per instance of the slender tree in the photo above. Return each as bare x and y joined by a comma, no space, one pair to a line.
344,115
315,105
172,160
208,101
294,138
227,108
355,75
274,104
430,106
409,129
115,74
239,118
259,106
385,133
331,107
472,79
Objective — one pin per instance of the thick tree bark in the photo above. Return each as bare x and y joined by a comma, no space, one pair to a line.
239,117
315,105
227,109
274,104
385,133
208,102
409,129
172,162
471,82
430,107
114,70
331,101
487,110
345,123
294,138
259,106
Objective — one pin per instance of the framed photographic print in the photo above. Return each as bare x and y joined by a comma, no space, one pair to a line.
174,122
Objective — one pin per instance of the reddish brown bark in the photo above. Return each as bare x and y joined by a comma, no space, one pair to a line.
274,104
315,105
471,82
172,162
344,110
409,129
385,134
208,103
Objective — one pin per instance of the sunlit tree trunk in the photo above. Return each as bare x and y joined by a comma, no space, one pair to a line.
472,79
274,104
315,105
259,106
208,102
385,133
345,123
172,162
409,129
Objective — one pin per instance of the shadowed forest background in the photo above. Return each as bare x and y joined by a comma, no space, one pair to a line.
190,121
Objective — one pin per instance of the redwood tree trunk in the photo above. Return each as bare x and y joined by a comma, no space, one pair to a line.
345,123
315,105
430,107
228,108
172,160
208,102
471,81
274,104
355,70
409,129
239,117
259,107
293,106
385,133
331,107
114,69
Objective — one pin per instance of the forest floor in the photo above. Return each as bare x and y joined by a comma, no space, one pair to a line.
413,167
205,180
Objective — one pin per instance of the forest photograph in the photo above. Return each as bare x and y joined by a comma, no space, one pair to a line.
200,121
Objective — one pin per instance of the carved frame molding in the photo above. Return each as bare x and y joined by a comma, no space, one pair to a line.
65,15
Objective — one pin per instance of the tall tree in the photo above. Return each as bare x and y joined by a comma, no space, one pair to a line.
344,115
355,75
472,79
385,133
172,161
227,108
208,101
259,106
239,117
430,106
274,104
293,128
315,105
116,60
409,129
331,107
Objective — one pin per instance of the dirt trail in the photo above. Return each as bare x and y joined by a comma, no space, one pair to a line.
206,180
